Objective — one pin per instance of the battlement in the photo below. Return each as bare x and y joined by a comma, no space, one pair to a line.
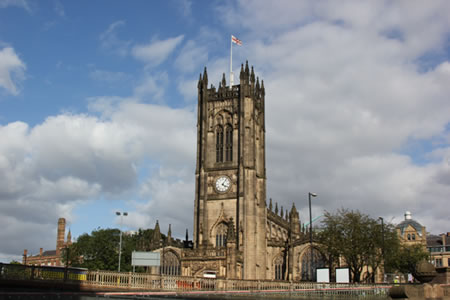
248,85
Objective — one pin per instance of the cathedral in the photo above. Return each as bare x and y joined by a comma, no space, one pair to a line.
236,234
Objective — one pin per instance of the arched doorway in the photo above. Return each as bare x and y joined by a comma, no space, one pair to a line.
310,260
170,264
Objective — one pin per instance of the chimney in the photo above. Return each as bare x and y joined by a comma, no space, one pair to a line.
24,260
41,251
61,235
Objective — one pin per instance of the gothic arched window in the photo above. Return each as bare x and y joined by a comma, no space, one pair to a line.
219,144
229,143
409,237
221,235
278,267
170,264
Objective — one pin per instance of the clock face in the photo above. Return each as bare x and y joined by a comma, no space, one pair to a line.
223,184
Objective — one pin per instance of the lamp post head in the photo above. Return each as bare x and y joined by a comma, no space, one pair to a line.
117,213
313,194
125,214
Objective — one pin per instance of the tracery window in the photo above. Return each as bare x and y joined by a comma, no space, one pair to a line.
219,144
228,143
221,235
278,267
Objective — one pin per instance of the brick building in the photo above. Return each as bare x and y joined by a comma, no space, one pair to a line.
50,257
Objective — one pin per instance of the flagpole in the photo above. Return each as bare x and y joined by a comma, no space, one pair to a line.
231,62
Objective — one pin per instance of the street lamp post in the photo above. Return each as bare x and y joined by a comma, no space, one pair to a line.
382,246
120,239
310,233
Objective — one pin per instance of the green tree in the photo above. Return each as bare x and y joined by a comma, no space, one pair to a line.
407,257
358,239
100,249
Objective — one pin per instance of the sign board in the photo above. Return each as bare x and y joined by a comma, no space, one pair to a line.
342,275
323,275
148,259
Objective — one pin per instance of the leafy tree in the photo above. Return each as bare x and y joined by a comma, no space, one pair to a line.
407,257
100,249
358,239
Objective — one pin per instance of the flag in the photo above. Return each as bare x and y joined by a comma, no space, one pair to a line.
236,40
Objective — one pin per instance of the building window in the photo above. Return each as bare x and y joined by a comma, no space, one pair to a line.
229,143
409,237
438,262
221,235
219,144
278,266
413,237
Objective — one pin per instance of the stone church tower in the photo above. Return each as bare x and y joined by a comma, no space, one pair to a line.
235,234
230,172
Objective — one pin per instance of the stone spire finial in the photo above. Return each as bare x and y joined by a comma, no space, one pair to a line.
252,77
263,90
205,77
224,81
276,208
270,204
257,88
200,81
282,212
169,235
242,75
156,234
231,235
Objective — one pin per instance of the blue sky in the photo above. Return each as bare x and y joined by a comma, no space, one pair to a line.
98,108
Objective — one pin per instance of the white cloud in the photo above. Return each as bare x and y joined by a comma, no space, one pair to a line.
157,51
152,87
20,3
110,40
344,94
192,56
11,70
49,169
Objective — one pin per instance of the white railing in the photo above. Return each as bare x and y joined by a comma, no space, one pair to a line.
180,284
